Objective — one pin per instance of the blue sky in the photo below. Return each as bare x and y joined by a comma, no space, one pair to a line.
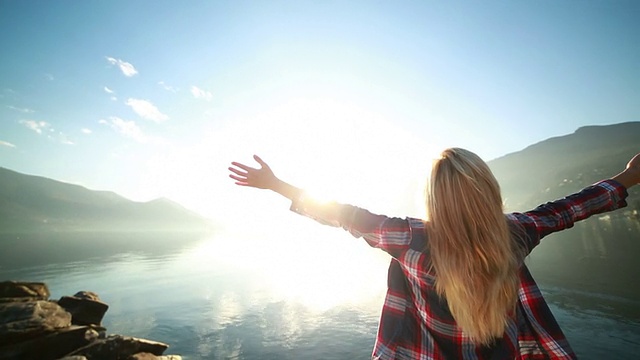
155,98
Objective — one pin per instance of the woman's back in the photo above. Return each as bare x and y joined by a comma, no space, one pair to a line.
459,289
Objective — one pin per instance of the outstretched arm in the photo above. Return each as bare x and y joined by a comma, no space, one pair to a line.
606,195
630,176
262,178
392,235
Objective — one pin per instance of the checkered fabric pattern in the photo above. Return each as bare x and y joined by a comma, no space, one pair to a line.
416,323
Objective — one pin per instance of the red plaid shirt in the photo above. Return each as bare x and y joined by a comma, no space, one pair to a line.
416,322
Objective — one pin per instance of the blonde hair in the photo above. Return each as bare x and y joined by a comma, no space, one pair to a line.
474,258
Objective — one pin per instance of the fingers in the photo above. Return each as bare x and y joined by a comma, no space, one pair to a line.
247,176
242,166
260,161
238,178
238,172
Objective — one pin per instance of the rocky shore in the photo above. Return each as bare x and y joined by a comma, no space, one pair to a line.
34,327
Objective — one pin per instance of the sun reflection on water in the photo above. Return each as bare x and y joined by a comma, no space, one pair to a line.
320,270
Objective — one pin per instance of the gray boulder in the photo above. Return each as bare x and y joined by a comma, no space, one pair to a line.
120,347
51,346
149,356
84,307
26,320
32,327
28,290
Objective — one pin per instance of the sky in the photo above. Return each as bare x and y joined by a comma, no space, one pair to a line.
352,99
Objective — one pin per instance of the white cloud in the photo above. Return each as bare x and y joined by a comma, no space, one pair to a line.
109,91
44,128
126,128
22,110
201,94
167,87
36,126
86,131
62,138
146,110
127,68
129,129
7,144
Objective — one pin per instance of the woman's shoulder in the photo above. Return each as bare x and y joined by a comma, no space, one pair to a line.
416,223
418,233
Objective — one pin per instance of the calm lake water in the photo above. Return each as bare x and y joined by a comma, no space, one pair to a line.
221,298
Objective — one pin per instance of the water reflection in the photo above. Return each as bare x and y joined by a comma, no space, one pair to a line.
234,297
39,249
599,255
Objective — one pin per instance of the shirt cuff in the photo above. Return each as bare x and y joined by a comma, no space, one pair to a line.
619,193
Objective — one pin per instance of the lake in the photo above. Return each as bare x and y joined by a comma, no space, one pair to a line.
218,297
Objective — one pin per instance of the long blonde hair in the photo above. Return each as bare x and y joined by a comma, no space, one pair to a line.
474,258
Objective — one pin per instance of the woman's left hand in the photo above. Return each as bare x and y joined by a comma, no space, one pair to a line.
262,178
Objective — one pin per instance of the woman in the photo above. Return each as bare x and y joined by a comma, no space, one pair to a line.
458,287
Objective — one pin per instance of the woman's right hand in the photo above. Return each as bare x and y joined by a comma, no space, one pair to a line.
262,178
630,176
633,167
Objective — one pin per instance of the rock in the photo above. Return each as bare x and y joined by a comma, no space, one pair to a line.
31,327
142,356
18,299
85,310
15,289
119,347
26,320
87,295
51,346
149,356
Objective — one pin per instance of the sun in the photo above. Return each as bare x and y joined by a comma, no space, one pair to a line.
333,149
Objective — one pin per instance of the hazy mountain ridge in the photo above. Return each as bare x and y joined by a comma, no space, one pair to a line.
598,254
32,203
545,171
558,166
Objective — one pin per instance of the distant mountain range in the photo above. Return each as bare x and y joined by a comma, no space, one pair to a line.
37,204
597,255
541,172
561,165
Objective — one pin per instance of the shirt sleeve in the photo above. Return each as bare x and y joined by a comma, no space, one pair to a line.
562,214
392,235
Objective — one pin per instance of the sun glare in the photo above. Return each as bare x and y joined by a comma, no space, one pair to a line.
336,151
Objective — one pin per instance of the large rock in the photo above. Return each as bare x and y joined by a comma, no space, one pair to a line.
26,320
16,289
120,347
87,295
85,308
31,327
51,346
149,356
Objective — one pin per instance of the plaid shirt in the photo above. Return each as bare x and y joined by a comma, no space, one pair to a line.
416,322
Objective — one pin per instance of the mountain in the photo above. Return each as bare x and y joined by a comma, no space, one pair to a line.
561,165
36,204
598,255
